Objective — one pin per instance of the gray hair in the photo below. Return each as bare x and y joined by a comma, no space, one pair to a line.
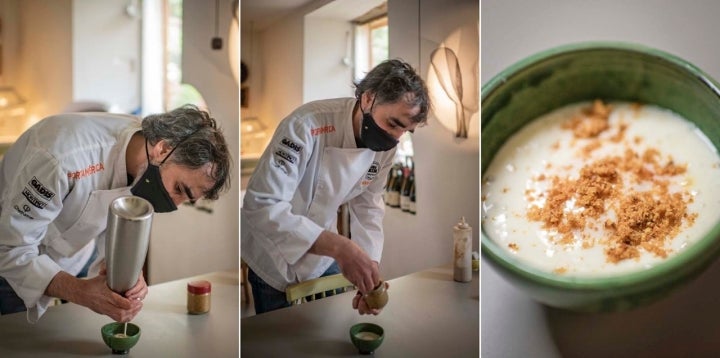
198,140
391,81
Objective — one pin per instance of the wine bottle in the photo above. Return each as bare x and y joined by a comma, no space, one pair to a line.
388,186
394,199
412,208
410,179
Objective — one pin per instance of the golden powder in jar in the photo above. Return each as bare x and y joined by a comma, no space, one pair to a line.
198,297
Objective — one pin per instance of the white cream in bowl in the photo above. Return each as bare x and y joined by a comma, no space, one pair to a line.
595,189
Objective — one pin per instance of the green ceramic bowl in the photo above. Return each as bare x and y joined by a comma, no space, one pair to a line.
584,72
366,337
120,345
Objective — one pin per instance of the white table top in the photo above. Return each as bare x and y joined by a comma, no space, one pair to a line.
683,324
167,330
428,315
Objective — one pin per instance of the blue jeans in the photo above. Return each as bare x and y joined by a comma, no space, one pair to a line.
10,302
266,298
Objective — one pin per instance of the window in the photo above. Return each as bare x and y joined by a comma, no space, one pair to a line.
371,45
378,41
176,93
162,44
173,52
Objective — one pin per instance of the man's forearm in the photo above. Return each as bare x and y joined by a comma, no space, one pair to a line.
64,286
354,263
329,244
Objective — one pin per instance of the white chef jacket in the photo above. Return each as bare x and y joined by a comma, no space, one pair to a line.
56,184
311,166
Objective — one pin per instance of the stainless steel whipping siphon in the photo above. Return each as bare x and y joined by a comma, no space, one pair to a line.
127,238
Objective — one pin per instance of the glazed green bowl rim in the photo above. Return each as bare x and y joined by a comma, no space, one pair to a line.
359,327
660,272
108,331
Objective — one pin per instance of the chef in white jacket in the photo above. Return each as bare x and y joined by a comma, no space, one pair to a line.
324,154
57,182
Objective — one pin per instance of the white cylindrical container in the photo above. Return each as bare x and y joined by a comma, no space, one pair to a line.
462,250
127,238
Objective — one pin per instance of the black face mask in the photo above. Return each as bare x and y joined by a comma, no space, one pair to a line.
374,137
151,188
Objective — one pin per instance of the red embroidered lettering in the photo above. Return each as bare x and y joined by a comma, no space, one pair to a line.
91,169
322,130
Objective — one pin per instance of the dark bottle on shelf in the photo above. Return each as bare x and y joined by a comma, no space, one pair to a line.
394,185
389,185
411,207
397,187
407,185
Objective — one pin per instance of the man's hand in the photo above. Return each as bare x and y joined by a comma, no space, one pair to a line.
359,304
139,291
98,297
354,263
95,294
358,268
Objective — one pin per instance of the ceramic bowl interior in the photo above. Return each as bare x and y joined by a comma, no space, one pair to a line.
112,336
611,72
366,337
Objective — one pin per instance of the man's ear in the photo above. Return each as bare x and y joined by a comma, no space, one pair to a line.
160,150
366,100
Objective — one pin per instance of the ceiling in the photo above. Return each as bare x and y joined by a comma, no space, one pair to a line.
262,13
349,9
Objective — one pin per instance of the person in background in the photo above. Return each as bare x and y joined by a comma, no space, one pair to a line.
58,180
324,154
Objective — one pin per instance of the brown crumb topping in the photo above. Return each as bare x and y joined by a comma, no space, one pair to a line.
590,147
591,122
608,189
620,135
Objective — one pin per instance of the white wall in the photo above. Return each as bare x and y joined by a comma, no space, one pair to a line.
38,53
190,242
280,70
328,50
106,54
324,48
250,54
277,86
309,43
9,40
